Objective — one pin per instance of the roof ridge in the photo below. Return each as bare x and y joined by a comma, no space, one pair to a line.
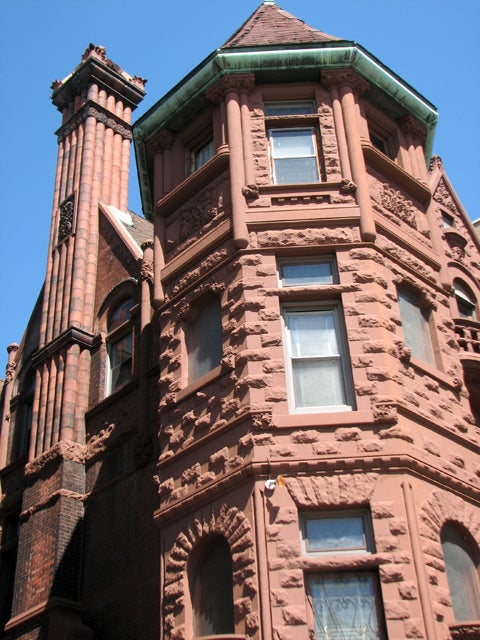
270,24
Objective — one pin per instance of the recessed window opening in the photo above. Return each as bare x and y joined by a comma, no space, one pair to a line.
346,606
204,337
466,302
211,589
289,108
119,347
337,532
294,155
317,359
461,556
415,325
296,272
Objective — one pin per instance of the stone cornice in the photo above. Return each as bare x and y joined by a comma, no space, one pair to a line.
101,114
73,335
96,68
326,465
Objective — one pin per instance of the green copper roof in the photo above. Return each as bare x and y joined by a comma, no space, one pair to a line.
292,62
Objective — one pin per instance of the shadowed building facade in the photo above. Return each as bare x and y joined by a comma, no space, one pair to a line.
253,413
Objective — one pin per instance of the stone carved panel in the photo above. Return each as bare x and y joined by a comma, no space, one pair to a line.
199,217
443,196
395,202
233,525
65,224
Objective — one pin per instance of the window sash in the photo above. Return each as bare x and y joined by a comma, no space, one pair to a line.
416,329
120,362
315,352
293,108
205,347
294,273
294,155
462,576
345,606
337,533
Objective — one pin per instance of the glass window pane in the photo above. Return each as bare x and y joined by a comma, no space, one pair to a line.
121,361
344,607
415,327
462,575
304,273
335,533
121,314
205,339
313,333
204,154
289,108
296,171
292,143
318,383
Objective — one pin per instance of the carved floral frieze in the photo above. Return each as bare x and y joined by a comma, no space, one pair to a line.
443,196
395,202
199,216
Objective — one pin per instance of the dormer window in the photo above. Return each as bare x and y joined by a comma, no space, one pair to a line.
293,142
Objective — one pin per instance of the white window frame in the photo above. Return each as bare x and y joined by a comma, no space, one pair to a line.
313,137
307,261
363,515
342,357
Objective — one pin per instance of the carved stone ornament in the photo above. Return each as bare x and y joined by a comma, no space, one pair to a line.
97,51
436,163
465,631
10,371
385,413
345,78
240,83
161,141
262,420
101,115
347,187
250,191
146,270
396,203
65,224
443,196
412,127
199,215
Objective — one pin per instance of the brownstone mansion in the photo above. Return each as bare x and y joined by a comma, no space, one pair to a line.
253,412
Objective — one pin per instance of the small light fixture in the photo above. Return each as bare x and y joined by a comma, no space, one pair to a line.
272,483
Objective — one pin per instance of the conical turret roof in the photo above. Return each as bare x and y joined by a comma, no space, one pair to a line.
271,25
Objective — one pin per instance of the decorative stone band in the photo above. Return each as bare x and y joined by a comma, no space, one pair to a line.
73,335
102,115
466,630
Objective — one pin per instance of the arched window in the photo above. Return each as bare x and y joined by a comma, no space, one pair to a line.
466,302
211,588
461,564
119,346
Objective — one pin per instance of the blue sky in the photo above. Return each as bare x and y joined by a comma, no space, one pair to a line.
432,44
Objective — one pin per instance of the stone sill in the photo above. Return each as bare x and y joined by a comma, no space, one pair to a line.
327,419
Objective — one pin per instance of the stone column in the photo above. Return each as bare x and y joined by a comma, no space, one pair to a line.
229,89
162,183
415,136
350,87
7,390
